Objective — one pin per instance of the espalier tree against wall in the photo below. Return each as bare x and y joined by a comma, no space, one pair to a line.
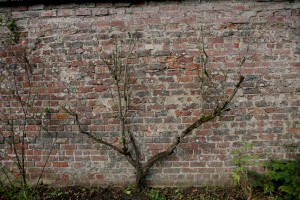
71,47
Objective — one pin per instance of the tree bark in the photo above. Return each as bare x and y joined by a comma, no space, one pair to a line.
139,180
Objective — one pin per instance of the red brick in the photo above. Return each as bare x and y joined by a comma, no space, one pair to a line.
85,89
273,110
78,63
68,147
69,152
99,176
180,164
275,19
226,118
42,164
189,170
294,130
267,137
236,45
61,116
60,164
36,59
295,64
155,146
183,113
3,54
185,79
189,119
118,23
102,23
20,146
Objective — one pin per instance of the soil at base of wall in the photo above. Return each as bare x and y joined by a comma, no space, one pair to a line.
190,193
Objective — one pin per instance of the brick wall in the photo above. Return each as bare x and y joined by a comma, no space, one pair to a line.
69,38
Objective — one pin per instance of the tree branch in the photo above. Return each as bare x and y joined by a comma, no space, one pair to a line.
205,118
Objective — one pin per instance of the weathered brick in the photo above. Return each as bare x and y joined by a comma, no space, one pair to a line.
17,15
83,11
251,91
99,158
100,11
50,13
65,12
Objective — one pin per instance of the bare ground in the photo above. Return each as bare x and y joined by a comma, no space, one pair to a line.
191,193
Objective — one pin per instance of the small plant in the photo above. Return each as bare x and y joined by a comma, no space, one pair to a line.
155,195
209,193
280,178
57,194
14,189
47,110
11,25
291,147
179,193
242,158
128,190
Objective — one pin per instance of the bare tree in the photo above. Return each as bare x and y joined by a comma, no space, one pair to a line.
21,120
117,62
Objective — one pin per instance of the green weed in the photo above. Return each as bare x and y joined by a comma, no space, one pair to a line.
280,178
155,195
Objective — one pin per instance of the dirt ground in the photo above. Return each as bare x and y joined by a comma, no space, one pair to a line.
191,193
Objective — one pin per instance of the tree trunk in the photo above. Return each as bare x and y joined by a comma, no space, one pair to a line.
139,180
